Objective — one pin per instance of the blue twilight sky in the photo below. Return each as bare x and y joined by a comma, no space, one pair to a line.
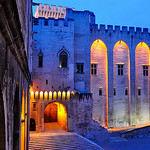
110,12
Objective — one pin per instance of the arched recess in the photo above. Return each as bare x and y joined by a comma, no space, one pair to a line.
121,71
63,59
16,129
99,82
142,82
55,112
2,122
32,125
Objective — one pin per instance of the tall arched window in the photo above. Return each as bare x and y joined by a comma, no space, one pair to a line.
40,59
63,57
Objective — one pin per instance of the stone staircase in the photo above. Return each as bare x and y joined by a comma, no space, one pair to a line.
60,141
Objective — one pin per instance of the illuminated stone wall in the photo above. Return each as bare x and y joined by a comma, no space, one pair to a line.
125,110
99,81
75,109
142,83
76,34
121,84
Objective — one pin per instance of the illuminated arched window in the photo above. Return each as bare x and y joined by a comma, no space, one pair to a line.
63,57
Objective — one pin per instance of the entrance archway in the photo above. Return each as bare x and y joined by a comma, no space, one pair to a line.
2,122
55,115
32,125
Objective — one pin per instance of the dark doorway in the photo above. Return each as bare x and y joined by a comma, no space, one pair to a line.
50,114
2,122
16,119
32,125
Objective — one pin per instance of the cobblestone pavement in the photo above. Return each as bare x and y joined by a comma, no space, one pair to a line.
60,141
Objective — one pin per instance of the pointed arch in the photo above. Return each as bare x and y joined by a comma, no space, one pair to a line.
142,62
121,74
99,81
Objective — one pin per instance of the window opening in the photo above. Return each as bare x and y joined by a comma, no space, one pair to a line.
63,57
145,70
120,70
80,67
93,69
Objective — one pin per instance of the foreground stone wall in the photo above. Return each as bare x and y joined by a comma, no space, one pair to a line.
15,36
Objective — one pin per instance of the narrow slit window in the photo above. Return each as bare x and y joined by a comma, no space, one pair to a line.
46,81
100,91
40,59
139,92
126,91
114,91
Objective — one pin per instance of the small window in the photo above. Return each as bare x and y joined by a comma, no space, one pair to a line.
145,70
46,23
46,81
63,57
34,106
126,91
93,69
40,59
120,70
100,91
36,22
114,91
80,67
139,92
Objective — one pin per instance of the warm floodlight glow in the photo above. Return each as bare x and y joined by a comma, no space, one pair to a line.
41,95
55,95
32,95
45,95
59,95
60,109
36,94
72,93
50,95
99,57
68,95
63,95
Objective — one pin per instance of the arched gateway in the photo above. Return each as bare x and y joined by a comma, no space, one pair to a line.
55,115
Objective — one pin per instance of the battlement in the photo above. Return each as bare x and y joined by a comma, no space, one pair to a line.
111,29
51,21
60,95
51,12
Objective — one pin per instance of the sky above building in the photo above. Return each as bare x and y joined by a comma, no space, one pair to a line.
110,12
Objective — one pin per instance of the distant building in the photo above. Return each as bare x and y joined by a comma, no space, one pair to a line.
72,53
15,68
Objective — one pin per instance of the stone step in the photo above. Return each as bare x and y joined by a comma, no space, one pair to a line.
61,141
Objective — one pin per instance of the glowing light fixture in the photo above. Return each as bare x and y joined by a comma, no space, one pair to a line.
45,95
41,95
50,95
68,95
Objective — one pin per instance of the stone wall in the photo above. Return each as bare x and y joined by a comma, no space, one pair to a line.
14,74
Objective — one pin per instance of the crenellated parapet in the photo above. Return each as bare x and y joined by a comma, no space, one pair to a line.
50,12
41,21
113,29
